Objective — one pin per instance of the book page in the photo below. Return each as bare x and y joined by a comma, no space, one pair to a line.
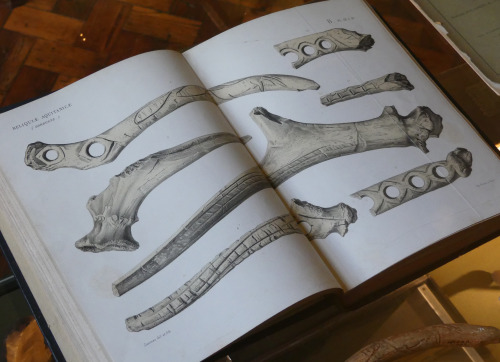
375,127
181,215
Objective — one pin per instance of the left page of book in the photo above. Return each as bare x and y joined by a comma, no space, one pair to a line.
141,222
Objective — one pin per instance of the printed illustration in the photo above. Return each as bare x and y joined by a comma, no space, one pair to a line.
407,186
388,82
323,221
313,46
213,272
225,201
104,148
114,210
293,146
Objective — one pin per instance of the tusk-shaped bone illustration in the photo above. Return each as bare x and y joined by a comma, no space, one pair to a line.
324,220
414,183
293,146
226,200
86,154
213,272
313,46
389,82
115,209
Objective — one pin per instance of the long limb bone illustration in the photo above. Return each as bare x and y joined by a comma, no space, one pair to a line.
115,209
213,272
388,82
403,344
226,200
409,185
323,221
48,157
313,46
294,146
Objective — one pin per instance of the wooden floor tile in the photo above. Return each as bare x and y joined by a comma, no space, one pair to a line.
162,26
63,59
29,83
44,25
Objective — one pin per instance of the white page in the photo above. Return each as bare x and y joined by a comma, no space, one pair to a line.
373,243
279,275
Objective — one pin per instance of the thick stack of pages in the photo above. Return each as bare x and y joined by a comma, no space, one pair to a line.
165,206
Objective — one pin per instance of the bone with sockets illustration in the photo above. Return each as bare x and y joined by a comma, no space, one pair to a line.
312,46
419,181
293,146
48,157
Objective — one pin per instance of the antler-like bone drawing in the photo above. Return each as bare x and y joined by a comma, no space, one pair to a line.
213,272
261,83
48,157
403,344
294,146
414,183
324,220
389,82
310,47
226,200
115,209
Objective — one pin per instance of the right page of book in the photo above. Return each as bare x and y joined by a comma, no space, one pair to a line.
361,145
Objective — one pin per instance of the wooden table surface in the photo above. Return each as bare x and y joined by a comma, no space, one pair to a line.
48,44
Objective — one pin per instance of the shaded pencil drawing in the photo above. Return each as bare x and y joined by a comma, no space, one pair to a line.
313,46
388,82
114,210
323,221
214,210
293,146
409,185
105,147
213,272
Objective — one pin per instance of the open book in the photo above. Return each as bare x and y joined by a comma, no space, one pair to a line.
166,205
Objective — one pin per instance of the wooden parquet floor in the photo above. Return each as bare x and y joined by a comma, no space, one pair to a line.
48,44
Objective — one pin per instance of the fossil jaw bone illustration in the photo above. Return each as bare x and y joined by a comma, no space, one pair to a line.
79,155
114,210
213,272
310,47
324,220
293,146
214,210
388,82
409,185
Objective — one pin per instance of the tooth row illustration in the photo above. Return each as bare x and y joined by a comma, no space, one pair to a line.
292,147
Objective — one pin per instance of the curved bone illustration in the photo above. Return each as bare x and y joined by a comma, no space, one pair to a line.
404,344
388,82
293,146
80,155
225,201
324,220
313,46
114,210
414,183
213,272
260,83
